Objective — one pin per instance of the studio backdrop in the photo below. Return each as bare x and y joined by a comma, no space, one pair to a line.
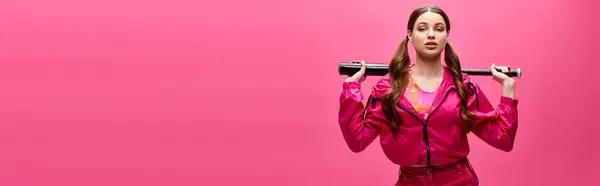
182,92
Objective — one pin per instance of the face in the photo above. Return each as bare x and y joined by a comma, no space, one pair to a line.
429,35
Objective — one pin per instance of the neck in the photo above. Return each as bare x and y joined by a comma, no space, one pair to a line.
429,68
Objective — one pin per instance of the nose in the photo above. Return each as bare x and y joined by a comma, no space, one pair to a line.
430,34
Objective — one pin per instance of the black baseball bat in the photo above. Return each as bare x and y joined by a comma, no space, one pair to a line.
378,69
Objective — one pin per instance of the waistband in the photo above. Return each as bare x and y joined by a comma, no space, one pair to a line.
456,166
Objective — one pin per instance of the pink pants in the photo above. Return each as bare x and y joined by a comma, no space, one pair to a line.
456,174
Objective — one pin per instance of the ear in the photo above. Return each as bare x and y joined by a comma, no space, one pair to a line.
409,34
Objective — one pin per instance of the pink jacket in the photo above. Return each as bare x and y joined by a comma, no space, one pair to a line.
438,140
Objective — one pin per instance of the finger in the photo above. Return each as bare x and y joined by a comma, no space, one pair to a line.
499,68
493,68
502,68
363,67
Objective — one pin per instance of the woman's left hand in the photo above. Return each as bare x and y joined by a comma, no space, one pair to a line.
499,76
508,83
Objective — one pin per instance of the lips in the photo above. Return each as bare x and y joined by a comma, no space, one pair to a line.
431,43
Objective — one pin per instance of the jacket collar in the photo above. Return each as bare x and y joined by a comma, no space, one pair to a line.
447,82
446,86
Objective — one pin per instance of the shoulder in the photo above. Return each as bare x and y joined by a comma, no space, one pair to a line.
470,84
467,80
382,86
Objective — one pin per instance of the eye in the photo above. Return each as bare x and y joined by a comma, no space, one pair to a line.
421,29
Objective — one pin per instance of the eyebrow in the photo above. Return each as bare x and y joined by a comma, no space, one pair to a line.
435,24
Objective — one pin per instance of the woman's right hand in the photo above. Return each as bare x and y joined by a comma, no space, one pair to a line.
360,75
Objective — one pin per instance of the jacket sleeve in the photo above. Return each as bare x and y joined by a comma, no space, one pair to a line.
360,123
496,126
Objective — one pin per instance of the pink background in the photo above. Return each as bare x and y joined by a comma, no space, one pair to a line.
181,92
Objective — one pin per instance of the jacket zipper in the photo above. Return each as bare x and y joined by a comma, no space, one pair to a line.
425,133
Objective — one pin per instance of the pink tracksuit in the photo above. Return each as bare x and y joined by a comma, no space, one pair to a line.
435,142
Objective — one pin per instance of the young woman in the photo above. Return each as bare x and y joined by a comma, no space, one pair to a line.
423,111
